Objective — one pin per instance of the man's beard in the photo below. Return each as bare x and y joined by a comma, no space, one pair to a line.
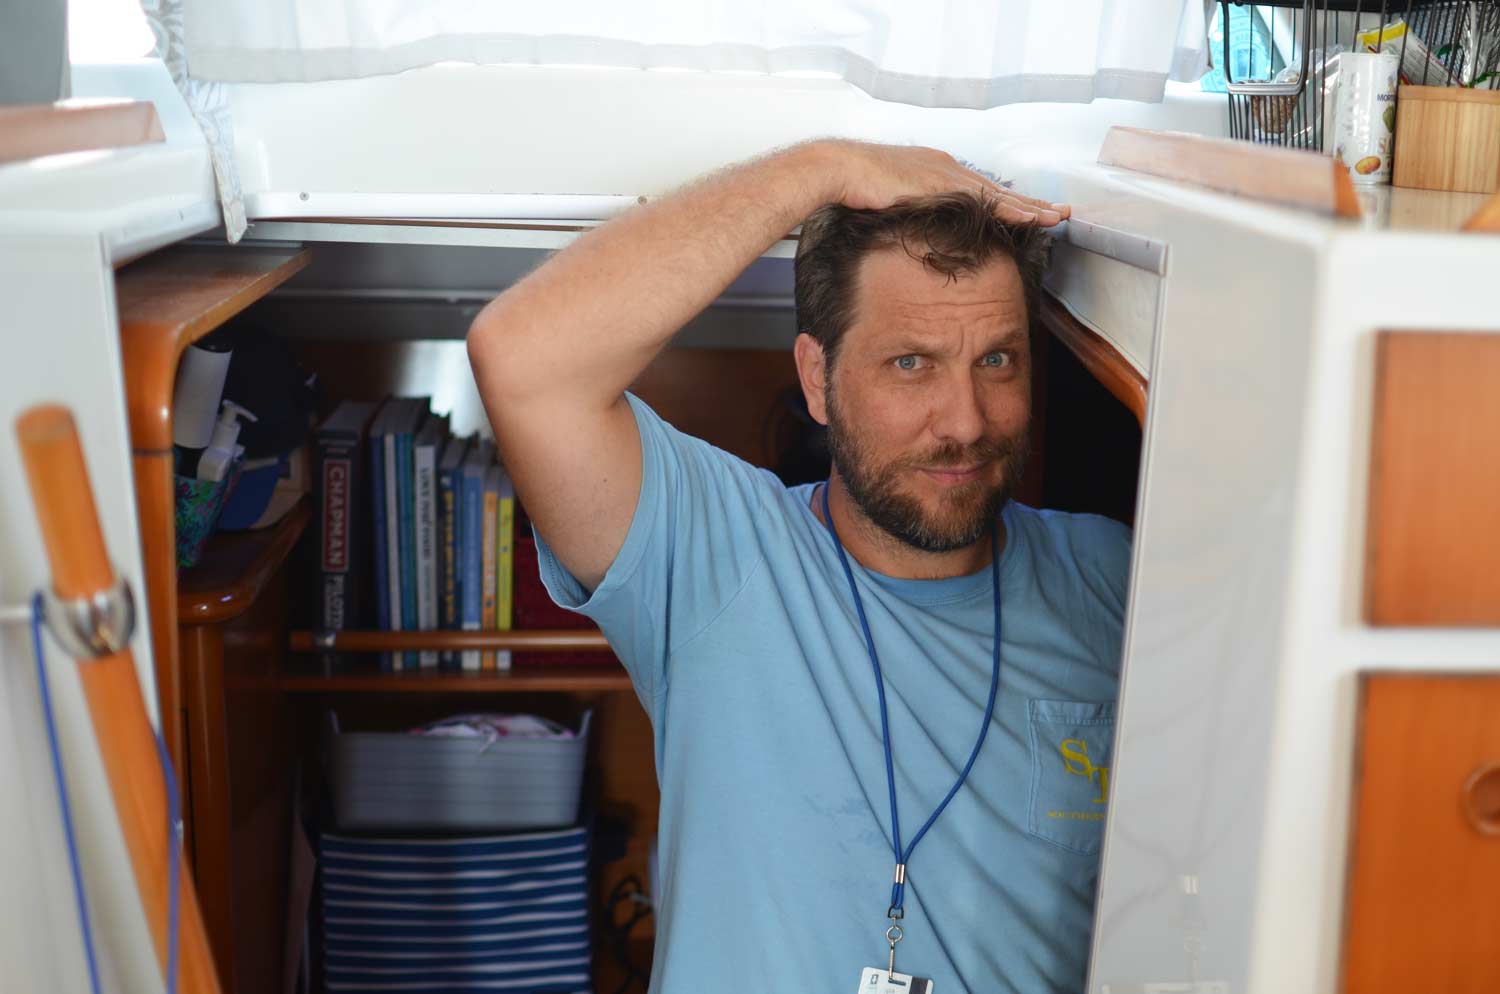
972,508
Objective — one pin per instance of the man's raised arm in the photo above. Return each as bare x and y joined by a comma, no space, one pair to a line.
554,354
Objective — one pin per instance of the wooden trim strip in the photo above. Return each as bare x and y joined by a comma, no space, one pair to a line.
1290,177
69,524
29,131
541,640
1103,361
212,810
568,678
154,495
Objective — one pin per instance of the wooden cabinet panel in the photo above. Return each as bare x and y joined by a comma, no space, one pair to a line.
1434,518
166,302
1424,893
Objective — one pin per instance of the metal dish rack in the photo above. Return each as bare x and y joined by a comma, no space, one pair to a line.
1285,105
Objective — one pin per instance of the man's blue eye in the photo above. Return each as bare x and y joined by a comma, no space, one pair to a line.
907,362
996,360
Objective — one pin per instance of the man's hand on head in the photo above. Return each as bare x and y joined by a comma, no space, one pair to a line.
554,354
872,177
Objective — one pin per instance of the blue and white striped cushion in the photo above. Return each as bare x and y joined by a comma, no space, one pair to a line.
506,913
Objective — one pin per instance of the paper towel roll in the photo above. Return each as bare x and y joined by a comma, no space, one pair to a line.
195,399
1367,115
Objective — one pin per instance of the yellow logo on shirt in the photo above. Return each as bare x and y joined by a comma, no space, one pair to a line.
1075,753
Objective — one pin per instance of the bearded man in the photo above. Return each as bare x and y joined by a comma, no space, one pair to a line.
883,705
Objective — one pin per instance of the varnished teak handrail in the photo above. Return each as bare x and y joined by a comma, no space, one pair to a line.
76,553
1291,177
1101,359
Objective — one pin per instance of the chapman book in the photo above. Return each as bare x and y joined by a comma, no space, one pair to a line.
342,553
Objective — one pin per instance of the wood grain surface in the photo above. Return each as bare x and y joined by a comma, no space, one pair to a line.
1448,138
1434,509
1289,177
1421,912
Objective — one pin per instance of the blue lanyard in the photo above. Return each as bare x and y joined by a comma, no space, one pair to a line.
898,888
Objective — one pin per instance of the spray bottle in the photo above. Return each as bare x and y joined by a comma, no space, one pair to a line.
222,450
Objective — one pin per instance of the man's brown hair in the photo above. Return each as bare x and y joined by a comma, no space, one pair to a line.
953,233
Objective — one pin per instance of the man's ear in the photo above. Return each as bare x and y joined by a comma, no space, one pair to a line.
812,370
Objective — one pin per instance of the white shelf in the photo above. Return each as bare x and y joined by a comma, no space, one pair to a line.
523,233
135,199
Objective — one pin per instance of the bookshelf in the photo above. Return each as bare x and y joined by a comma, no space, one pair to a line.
255,690
237,567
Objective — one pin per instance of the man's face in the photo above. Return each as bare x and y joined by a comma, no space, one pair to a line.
929,402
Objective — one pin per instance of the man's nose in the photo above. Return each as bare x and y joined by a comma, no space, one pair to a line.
957,417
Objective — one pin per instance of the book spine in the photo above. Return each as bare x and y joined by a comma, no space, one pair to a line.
473,502
380,533
357,581
405,481
392,534
425,461
487,615
505,577
337,482
447,549
462,535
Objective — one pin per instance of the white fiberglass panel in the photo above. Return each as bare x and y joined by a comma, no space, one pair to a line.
1113,298
1395,282
439,141
62,346
1213,546
1231,784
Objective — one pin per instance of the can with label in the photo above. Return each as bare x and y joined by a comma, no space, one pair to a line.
1366,115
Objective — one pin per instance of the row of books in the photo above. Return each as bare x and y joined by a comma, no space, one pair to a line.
416,529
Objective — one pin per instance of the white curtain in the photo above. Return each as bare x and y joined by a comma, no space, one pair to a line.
932,53
209,104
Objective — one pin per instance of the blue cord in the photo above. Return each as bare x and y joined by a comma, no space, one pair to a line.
898,889
62,793
173,854
173,861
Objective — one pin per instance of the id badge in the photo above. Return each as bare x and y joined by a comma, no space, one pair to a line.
877,981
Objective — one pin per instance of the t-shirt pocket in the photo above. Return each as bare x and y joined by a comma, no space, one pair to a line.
1071,742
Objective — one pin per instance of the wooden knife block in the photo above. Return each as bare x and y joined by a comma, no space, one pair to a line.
1448,138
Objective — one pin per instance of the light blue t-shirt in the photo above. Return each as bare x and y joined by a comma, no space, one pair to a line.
728,606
